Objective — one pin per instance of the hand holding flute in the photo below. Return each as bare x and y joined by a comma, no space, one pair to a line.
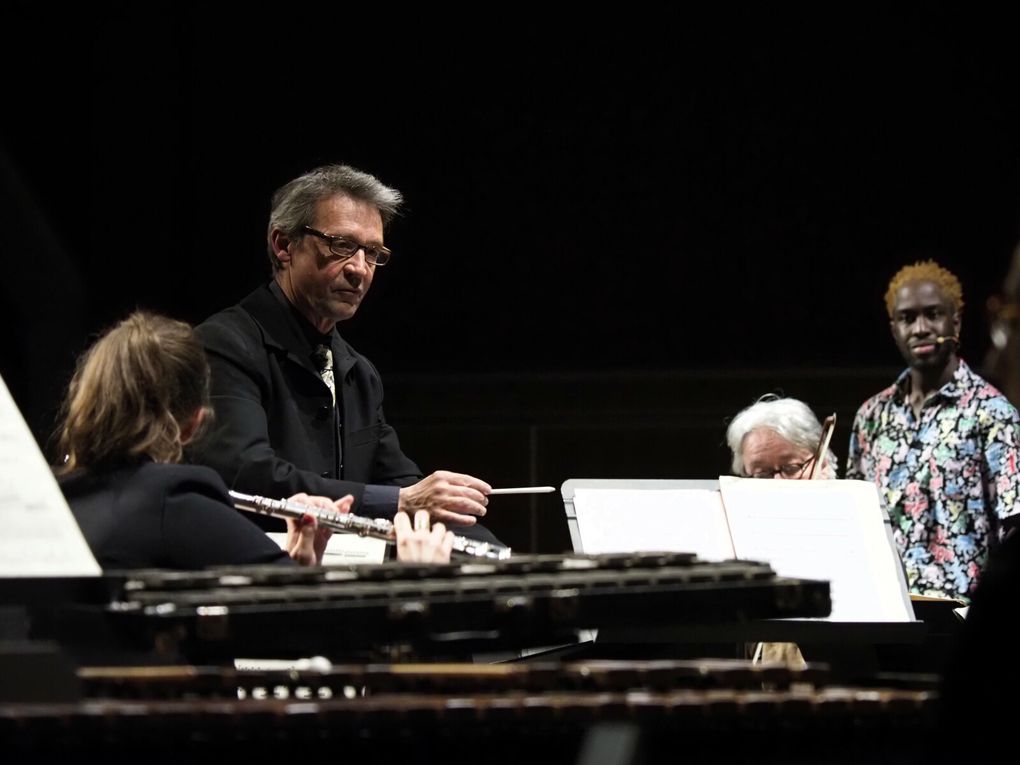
306,538
420,544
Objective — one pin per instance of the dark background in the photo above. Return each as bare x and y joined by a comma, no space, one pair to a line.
619,229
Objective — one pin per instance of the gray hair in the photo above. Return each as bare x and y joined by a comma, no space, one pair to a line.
787,417
293,204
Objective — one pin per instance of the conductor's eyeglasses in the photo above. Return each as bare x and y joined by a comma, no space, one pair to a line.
345,248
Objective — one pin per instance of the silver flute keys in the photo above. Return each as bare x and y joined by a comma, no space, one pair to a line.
377,528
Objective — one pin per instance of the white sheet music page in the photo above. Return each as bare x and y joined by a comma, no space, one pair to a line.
39,535
830,530
653,520
343,549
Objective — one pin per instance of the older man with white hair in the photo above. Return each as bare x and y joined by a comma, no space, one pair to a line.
776,438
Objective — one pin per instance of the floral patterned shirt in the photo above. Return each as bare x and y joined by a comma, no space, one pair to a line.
948,479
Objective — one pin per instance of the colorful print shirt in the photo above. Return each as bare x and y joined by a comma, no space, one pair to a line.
947,480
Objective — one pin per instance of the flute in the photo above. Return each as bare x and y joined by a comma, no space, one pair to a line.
347,523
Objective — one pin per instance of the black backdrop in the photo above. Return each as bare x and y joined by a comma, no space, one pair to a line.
596,196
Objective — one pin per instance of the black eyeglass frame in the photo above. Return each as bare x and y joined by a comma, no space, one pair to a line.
790,470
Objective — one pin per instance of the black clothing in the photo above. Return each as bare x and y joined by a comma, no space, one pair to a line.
276,430
151,515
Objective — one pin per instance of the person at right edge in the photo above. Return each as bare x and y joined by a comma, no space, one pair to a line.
982,678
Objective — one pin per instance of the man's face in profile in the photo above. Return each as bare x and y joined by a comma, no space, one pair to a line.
921,315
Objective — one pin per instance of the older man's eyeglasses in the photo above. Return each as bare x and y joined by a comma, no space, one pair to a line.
345,248
791,470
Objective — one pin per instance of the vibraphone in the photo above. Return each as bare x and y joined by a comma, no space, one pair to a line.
185,699
701,711
439,610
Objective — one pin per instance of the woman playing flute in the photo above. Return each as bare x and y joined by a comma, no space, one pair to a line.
139,395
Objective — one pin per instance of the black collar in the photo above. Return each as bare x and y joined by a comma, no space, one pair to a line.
311,334
286,329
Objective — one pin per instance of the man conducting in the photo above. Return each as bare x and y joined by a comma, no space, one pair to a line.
297,408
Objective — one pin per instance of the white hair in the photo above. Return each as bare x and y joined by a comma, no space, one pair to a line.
787,417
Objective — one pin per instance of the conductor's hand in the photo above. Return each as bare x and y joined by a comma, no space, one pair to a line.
422,544
306,540
453,498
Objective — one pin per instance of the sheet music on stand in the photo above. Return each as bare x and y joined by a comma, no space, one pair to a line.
344,549
830,530
40,536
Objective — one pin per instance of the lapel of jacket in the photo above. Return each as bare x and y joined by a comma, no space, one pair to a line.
343,362
343,359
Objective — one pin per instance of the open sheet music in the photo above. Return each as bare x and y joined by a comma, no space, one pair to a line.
38,534
828,530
